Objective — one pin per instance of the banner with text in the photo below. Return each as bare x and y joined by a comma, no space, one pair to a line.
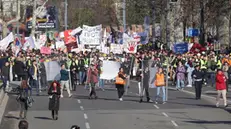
91,35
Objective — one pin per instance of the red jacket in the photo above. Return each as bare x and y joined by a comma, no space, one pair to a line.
220,82
92,76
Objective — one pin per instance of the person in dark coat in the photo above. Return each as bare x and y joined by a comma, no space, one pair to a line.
54,93
145,80
197,76
5,75
120,82
139,75
43,76
34,75
74,71
22,99
20,70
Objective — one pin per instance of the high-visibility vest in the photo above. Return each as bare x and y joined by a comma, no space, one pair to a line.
86,61
159,79
219,64
119,80
203,64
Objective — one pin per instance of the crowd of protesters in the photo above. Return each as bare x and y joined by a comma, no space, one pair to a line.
182,70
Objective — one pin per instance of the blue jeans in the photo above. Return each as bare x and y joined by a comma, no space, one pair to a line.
180,84
34,84
4,81
212,78
101,83
82,75
158,93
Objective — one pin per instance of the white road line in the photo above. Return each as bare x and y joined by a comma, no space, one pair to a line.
137,94
79,101
85,116
164,114
156,106
87,125
130,92
81,107
174,123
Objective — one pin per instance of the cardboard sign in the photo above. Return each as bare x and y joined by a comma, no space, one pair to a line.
45,50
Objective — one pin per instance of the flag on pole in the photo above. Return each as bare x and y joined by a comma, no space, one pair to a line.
4,43
29,44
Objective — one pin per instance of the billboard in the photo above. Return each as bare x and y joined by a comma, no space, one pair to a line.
45,21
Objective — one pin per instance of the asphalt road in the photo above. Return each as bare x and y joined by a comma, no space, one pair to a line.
107,112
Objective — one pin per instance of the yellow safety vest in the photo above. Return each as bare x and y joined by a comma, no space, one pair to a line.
203,64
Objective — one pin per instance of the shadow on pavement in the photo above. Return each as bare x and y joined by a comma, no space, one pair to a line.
209,122
43,118
12,117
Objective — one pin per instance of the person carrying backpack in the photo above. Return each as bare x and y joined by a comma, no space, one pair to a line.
23,99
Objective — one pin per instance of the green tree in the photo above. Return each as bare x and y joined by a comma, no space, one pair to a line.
83,16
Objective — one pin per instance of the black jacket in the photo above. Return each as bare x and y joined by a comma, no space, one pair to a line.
54,101
5,71
197,74
19,68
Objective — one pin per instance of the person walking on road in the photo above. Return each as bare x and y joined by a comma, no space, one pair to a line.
180,73
54,93
22,99
197,76
145,78
120,83
160,84
65,81
5,76
34,76
74,72
92,79
221,87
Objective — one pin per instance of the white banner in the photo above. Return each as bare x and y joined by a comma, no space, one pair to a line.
52,70
110,70
91,35
4,43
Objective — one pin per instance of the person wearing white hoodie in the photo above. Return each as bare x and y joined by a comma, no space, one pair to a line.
190,69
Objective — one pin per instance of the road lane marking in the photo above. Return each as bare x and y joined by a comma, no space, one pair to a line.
87,125
174,123
81,107
164,114
130,92
85,116
79,101
156,106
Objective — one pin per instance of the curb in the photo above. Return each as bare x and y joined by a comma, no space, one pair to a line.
192,93
3,106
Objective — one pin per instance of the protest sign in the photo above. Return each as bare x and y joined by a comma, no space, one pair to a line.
52,70
116,48
45,50
68,38
91,35
131,46
110,70
180,48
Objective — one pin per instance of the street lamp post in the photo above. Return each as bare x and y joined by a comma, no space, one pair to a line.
65,14
124,14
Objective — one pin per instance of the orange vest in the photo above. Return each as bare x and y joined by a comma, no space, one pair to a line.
119,80
159,80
